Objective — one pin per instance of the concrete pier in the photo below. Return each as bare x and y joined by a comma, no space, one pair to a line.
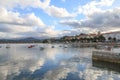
77,44
107,56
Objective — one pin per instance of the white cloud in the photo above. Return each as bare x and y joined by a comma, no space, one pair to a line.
95,6
23,4
106,2
14,18
63,0
45,5
51,32
102,21
17,24
29,24
58,12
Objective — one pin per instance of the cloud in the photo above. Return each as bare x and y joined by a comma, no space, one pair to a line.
4,28
45,5
24,4
95,6
106,2
46,32
107,20
58,12
24,25
14,18
63,0
28,24
70,22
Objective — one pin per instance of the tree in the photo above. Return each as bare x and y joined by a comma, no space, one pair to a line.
110,39
95,39
114,39
101,38
45,41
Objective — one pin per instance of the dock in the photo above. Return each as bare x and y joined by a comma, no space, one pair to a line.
106,56
77,44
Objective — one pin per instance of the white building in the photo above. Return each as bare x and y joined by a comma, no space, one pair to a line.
112,35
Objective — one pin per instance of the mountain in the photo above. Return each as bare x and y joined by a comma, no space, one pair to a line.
21,40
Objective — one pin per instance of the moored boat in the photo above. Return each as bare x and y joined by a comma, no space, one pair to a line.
31,46
42,48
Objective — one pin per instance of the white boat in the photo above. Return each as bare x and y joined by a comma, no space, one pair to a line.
7,46
42,48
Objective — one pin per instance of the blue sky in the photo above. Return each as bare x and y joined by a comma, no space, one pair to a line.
57,18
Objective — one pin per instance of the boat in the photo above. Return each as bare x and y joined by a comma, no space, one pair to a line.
53,46
42,48
7,46
31,46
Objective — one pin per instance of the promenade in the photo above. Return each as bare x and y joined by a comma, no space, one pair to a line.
93,44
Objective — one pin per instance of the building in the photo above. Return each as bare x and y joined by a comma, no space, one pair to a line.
115,34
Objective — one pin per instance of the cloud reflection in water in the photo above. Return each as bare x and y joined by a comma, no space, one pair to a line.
21,63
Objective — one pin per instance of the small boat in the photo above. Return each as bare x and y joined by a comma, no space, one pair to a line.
53,46
7,46
60,46
31,46
65,46
42,48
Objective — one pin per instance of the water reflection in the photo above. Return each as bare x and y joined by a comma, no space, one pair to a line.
106,66
58,63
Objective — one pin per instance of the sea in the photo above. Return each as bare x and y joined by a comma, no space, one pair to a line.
52,62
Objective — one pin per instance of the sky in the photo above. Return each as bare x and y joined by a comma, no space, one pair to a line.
57,18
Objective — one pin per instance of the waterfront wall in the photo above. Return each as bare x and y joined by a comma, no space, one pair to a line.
106,56
77,44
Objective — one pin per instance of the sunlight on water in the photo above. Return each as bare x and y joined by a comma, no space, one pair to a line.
52,63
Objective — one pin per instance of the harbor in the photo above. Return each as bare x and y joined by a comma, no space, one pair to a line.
59,39
53,61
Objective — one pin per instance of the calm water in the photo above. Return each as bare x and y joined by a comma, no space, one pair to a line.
22,63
